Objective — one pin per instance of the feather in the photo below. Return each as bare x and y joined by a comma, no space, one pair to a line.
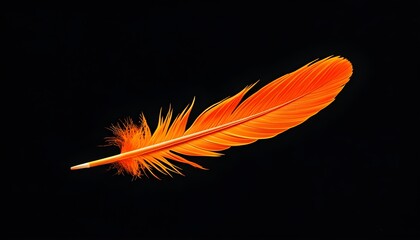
278,106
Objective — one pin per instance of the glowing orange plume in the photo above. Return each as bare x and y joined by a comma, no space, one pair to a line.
280,105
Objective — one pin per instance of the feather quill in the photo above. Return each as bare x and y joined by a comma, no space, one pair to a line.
278,106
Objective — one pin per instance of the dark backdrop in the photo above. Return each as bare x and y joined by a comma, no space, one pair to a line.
74,71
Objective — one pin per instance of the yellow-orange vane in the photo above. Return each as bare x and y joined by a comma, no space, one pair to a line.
278,106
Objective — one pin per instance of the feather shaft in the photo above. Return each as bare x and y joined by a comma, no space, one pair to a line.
171,143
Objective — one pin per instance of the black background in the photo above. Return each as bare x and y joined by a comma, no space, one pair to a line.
349,171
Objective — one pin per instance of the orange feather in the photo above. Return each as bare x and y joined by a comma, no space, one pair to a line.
278,106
